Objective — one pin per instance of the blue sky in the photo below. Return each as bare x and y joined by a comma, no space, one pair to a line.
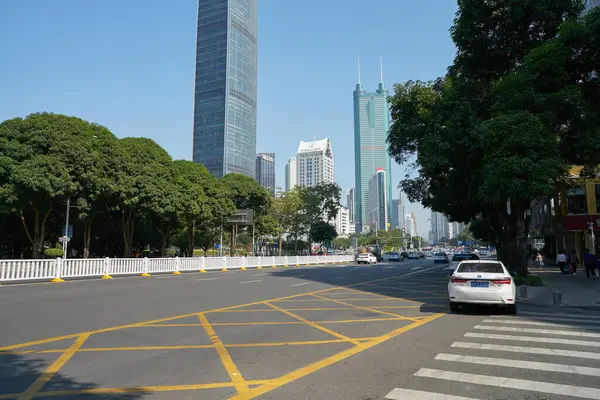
129,65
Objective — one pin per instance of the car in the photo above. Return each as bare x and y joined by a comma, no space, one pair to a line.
482,282
413,256
392,256
440,258
404,255
366,258
459,257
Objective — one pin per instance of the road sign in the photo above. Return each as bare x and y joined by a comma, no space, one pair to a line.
459,242
62,239
469,242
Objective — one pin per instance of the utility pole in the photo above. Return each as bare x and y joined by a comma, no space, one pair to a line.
66,236
221,240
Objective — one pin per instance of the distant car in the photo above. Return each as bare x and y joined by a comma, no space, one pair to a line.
392,256
440,258
413,256
482,282
366,258
404,255
459,257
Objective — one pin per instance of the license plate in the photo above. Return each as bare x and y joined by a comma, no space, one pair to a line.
480,284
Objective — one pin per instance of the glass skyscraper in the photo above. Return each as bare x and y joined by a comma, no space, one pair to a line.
371,125
265,171
225,86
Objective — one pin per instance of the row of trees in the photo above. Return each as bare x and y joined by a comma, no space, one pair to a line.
519,106
126,195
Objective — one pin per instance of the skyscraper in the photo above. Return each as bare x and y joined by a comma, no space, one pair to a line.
315,163
350,201
265,171
395,213
378,216
439,226
589,4
371,125
291,174
225,86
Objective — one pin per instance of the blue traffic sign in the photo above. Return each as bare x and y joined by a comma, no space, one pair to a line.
469,242
459,242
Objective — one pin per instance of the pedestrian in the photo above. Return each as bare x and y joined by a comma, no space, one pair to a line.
574,261
561,261
589,263
540,260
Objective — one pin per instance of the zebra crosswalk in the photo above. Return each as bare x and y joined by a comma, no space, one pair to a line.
532,355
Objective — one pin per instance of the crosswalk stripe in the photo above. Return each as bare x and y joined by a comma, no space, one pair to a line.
529,350
559,319
519,384
533,365
553,315
542,331
533,339
408,394
537,323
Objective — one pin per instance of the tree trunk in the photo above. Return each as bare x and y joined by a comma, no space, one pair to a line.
39,231
512,249
87,237
280,242
127,221
233,240
191,234
163,244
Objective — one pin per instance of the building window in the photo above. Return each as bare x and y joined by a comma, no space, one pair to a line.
576,201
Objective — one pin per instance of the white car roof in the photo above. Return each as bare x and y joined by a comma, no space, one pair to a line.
481,262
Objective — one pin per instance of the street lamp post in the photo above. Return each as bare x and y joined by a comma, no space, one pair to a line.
66,236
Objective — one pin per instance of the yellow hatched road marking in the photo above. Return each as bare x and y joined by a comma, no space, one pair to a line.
301,372
373,310
37,385
314,325
236,377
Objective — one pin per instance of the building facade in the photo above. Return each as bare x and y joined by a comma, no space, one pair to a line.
265,171
440,226
314,163
589,4
224,137
410,225
395,218
379,214
371,125
291,174
342,222
350,202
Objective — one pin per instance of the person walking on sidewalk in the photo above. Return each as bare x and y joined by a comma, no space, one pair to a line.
540,260
589,262
561,261
574,261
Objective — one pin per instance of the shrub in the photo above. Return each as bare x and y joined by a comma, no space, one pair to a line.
54,252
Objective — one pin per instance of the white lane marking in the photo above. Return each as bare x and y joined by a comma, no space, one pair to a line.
519,384
301,284
208,279
593,326
528,350
558,319
416,268
533,339
533,365
389,267
341,277
258,280
260,274
408,394
542,331
557,314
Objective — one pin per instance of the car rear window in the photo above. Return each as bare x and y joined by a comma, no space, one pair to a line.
393,254
461,257
495,268
440,254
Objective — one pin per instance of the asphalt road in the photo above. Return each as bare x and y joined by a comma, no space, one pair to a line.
327,332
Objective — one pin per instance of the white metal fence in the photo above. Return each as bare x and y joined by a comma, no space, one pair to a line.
57,270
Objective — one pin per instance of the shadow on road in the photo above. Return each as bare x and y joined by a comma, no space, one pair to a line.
19,371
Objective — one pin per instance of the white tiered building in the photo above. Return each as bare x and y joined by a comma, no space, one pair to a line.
314,163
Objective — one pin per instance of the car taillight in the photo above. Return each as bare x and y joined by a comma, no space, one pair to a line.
458,280
505,281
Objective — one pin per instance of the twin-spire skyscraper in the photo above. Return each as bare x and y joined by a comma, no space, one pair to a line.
371,157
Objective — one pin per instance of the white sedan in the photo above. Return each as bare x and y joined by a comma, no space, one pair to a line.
482,282
366,258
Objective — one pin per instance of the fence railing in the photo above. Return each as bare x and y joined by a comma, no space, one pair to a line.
59,269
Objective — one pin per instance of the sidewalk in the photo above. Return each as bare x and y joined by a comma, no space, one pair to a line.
577,291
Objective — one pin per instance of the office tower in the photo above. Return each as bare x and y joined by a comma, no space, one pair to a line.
378,216
401,211
265,171
291,174
315,163
350,200
371,126
409,225
225,86
395,213
342,222
440,226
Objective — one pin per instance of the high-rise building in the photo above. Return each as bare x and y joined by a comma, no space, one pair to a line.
371,125
350,201
265,171
315,163
409,225
291,174
401,211
395,213
440,226
589,4
225,86
379,213
342,222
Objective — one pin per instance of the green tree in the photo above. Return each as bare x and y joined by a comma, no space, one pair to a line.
320,202
286,213
341,243
471,157
322,232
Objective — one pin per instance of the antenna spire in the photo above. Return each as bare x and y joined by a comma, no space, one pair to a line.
380,68
359,69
